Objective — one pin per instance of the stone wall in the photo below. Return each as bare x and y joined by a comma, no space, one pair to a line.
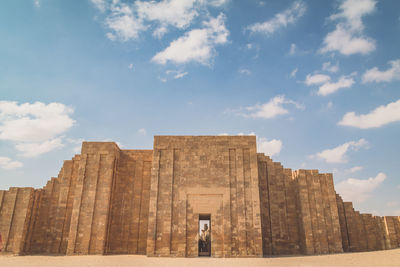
279,207
127,232
299,212
112,201
15,210
91,205
51,212
365,232
192,176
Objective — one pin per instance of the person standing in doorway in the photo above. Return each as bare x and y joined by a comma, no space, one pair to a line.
205,237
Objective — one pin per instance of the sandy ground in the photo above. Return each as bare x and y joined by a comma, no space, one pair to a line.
376,258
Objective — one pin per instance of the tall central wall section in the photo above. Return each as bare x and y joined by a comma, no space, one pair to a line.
204,175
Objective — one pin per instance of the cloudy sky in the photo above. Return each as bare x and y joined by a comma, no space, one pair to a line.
316,81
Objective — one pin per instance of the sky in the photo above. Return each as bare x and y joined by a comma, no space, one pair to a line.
316,81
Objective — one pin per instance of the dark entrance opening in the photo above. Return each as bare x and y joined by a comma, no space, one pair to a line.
205,235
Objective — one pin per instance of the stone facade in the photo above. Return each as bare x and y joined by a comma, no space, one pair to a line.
112,201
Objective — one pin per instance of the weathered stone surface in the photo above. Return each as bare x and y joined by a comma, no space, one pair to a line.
112,201
204,175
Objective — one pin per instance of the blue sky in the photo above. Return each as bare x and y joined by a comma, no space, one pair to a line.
316,81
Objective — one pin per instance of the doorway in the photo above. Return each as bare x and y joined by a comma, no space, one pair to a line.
205,235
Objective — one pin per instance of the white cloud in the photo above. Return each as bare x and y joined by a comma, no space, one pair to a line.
375,75
329,88
343,41
177,74
293,73
197,45
244,71
214,3
100,4
316,79
270,148
172,74
34,126
380,116
30,150
354,169
272,108
358,190
35,122
327,66
37,3
177,13
347,38
353,11
280,20
292,49
338,154
127,20
123,22
174,12
8,164
251,133
180,75
160,32
142,131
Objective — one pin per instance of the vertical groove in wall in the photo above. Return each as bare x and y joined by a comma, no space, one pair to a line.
140,209
322,229
7,243
241,205
80,197
128,178
347,229
286,202
144,209
157,197
107,247
233,199
327,217
92,234
248,201
172,200
175,200
311,203
269,210
31,223
246,226
64,218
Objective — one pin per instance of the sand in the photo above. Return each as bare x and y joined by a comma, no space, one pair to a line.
375,258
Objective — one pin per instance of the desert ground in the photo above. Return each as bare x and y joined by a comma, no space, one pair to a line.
375,258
